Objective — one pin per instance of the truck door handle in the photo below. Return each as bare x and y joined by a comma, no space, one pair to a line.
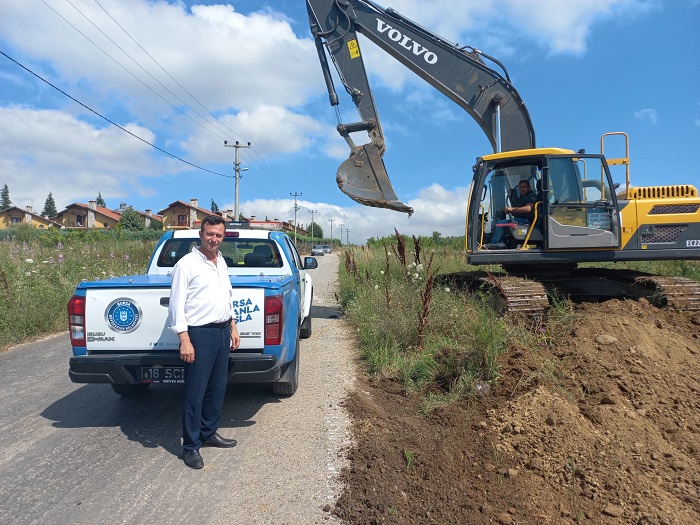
165,301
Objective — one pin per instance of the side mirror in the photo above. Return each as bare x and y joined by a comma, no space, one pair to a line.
310,263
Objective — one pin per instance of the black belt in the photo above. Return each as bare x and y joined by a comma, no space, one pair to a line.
214,325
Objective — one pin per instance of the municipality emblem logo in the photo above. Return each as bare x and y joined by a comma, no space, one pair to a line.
123,315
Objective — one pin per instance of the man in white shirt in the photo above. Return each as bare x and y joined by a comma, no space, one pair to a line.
201,313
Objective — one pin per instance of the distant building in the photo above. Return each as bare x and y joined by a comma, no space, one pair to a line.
276,225
79,215
149,218
14,216
180,215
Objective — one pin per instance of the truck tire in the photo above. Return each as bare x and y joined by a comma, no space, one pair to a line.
288,383
131,390
305,330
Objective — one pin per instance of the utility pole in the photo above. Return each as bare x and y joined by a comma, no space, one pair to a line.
296,207
347,236
341,234
312,221
331,221
237,169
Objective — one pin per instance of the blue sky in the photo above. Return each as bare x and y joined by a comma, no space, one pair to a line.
583,68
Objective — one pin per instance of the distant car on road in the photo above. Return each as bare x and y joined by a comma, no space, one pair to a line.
318,249
326,248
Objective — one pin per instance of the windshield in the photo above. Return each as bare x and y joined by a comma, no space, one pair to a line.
237,252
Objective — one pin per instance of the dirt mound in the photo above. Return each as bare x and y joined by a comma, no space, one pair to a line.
600,424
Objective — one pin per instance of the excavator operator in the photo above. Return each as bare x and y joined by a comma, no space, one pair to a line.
522,210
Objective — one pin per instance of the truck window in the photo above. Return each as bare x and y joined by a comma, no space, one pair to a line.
237,252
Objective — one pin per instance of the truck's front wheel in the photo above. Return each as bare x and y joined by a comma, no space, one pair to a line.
131,390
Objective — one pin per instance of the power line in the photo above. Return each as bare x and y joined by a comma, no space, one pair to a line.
124,68
260,163
110,121
161,67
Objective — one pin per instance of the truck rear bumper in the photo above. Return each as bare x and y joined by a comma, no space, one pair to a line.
125,369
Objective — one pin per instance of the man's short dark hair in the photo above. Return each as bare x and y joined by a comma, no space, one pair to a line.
212,220
524,181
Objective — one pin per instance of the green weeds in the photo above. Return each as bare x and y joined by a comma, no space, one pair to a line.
38,277
435,341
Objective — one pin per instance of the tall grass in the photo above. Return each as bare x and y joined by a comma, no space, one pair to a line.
38,277
411,329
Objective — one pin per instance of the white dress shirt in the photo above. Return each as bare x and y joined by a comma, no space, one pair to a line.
200,293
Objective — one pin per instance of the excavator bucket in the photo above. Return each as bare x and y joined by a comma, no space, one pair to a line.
364,179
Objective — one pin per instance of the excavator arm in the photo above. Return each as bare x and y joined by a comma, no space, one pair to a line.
457,72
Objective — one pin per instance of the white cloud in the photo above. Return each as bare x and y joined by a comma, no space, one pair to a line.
213,51
76,159
647,114
272,130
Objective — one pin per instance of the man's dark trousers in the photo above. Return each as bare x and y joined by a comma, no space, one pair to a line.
205,384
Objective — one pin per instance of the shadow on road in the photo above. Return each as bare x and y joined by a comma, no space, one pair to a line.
326,312
152,419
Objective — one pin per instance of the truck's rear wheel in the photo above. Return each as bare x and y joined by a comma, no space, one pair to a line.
131,390
289,382
305,330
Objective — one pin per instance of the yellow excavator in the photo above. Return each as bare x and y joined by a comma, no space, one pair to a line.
576,215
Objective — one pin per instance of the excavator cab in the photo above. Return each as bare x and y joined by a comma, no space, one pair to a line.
575,206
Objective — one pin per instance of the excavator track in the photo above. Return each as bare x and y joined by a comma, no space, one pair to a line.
679,293
527,294
508,294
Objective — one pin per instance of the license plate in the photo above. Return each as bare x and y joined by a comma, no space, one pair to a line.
163,374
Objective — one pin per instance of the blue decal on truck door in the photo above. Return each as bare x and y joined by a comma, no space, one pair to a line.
123,315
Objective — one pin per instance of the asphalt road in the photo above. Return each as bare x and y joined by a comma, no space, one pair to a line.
80,454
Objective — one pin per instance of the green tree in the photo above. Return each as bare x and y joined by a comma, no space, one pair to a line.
315,231
49,207
131,220
214,206
5,201
100,201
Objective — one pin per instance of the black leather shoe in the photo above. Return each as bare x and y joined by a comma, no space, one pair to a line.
217,441
193,459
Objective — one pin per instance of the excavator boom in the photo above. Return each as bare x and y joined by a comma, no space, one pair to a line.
457,72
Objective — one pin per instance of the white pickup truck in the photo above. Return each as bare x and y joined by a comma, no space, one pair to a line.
119,327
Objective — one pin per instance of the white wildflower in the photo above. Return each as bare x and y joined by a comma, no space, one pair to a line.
29,261
447,289
416,276
382,272
419,268
376,287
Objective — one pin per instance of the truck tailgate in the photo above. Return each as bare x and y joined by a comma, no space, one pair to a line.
131,314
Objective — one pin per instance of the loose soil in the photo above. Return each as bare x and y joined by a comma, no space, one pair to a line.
600,426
